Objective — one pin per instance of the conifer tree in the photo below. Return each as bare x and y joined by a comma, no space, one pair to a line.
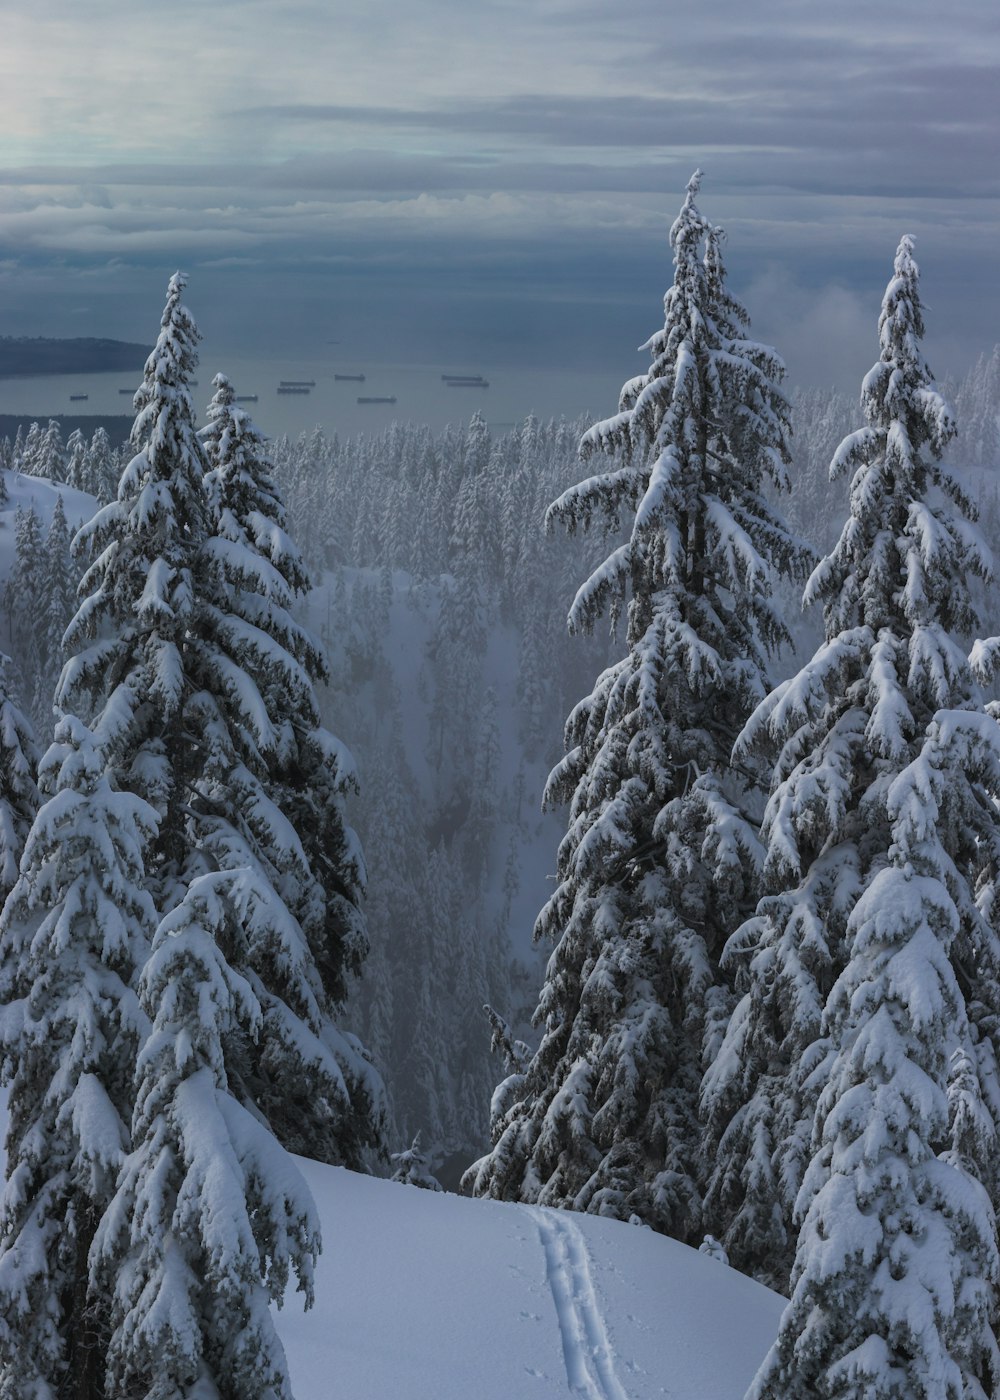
30,451
272,773
76,460
173,631
870,963
18,780
660,856
209,1216
100,474
52,610
50,460
20,597
72,934
140,599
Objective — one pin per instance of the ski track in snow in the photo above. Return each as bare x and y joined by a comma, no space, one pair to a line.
590,1366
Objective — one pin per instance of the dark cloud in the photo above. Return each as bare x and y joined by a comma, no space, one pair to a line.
506,174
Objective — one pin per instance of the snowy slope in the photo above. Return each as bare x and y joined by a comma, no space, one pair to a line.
39,492
435,1297
424,1296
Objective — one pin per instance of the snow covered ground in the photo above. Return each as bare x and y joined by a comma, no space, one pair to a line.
434,1297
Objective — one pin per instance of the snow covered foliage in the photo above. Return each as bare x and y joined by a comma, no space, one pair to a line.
857,1090
660,858
210,1215
128,677
200,688
272,780
204,745
73,932
18,780
411,1167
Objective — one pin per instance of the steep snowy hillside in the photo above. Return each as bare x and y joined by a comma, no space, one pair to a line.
435,1297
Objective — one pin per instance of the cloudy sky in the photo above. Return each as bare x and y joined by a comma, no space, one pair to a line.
443,179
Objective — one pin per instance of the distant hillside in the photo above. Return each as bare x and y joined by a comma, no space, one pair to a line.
20,356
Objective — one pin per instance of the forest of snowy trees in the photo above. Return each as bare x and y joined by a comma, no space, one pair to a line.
275,727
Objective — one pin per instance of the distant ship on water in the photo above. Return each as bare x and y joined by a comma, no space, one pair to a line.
377,399
77,398
246,398
297,384
356,378
465,381
293,389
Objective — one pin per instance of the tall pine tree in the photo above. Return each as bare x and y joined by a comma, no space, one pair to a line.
660,857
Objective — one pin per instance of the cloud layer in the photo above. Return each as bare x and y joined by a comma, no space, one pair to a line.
465,170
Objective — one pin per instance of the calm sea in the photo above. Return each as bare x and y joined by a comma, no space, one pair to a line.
421,394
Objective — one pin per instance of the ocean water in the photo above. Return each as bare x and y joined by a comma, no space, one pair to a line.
421,394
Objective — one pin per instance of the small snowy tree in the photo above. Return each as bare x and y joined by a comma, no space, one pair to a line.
660,857
412,1169
72,933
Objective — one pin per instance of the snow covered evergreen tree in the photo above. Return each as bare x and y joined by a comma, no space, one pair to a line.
271,773
76,460
72,934
210,1216
872,961
18,780
191,697
412,1169
659,861
128,678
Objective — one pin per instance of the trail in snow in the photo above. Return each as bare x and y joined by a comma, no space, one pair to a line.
590,1366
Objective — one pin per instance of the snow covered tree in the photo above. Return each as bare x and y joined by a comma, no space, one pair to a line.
896,1269
49,460
100,468
72,934
18,785
76,461
20,597
659,861
270,772
27,461
198,687
52,610
128,678
871,961
210,1216
411,1168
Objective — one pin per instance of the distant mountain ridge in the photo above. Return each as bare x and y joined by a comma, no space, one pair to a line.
38,355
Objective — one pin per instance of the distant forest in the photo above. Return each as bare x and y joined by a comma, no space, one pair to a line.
21,355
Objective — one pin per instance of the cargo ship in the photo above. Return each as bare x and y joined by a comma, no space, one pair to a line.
376,399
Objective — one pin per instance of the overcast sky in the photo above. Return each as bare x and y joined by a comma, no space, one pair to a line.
495,179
